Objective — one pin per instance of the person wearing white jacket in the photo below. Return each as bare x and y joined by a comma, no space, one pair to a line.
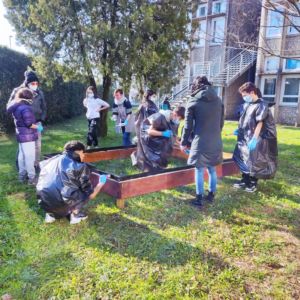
94,105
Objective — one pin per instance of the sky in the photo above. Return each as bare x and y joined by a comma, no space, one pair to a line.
7,31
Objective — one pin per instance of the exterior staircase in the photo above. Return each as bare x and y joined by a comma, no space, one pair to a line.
237,62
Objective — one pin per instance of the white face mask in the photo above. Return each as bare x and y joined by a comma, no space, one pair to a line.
33,87
90,95
153,98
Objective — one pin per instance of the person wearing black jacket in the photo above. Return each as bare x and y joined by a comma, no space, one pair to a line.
205,118
64,185
256,149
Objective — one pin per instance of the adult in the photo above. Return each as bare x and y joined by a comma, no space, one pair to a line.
122,115
38,106
256,149
64,186
93,105
204,117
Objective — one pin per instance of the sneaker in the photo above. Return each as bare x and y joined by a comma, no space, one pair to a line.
210,197
240,184
251,188
32,181
49,219
197,201
89,147
77,218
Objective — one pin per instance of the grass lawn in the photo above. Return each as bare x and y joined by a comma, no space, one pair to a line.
244,246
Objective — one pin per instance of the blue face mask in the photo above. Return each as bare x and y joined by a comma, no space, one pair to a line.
176,121
247,99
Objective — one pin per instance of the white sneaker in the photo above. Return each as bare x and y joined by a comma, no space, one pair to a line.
49,219
77,218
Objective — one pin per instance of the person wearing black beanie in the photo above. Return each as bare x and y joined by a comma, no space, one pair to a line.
39,107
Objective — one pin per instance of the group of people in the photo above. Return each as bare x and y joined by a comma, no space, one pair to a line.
64,185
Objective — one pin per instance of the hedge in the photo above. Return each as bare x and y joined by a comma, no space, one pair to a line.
64,100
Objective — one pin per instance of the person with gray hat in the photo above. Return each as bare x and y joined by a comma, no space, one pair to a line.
39,107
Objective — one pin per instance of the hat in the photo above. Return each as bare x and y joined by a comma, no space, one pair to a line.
30,76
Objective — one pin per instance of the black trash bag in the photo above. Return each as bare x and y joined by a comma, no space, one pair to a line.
153,152
63,184
262,161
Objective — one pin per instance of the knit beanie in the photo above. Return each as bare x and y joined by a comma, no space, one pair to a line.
30,76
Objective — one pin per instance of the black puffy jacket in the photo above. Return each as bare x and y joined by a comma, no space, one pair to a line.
63,183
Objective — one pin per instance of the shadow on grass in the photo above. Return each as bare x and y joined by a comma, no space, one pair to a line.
118,234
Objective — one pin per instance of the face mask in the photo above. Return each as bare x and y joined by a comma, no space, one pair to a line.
176,121
33,87
153,98
90,95
247,99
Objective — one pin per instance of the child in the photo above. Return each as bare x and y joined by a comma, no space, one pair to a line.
94,105
256,149
179,113
64,185
26,133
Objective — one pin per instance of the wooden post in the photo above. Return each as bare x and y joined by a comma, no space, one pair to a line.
120,203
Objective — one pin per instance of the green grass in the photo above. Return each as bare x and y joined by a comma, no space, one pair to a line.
244,246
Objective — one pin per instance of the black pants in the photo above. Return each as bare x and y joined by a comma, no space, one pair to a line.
92,139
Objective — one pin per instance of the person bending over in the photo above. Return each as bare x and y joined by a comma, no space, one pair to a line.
64,185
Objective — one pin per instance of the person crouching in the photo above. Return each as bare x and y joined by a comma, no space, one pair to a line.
64,185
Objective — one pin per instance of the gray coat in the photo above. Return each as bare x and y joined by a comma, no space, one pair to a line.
205,118
38,106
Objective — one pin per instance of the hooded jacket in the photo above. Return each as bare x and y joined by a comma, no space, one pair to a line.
23,118
63,183
205,118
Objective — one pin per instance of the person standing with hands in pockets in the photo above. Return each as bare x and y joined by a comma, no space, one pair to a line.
256,149
94,105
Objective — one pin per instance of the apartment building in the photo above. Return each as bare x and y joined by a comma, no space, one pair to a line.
278,61
220,28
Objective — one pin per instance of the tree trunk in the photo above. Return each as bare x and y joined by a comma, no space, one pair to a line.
104,113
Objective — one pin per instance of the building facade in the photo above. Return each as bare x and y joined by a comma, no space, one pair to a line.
278,61
220,27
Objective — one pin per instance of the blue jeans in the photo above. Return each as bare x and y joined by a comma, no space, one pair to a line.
199,179
126,139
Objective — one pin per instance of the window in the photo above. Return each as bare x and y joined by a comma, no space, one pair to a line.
219,7
201,12
292,65
291,87
275,23
201,34
272,64
218,30
268,88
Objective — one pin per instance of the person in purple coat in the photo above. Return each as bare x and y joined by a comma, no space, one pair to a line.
26,134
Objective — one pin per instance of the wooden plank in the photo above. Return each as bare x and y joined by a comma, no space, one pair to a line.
111,187
158,182
107,154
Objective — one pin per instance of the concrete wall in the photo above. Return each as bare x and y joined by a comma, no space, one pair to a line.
287,115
